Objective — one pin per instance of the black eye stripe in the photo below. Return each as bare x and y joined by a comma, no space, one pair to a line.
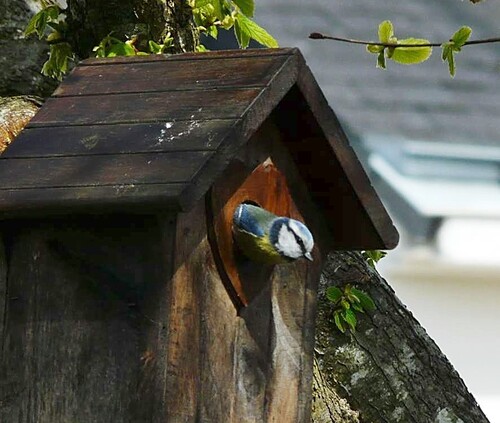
299,241
297,238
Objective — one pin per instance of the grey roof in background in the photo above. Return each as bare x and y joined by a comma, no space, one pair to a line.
416,102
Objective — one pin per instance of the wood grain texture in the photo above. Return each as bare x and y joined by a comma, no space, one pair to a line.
237,71
182,385
4,295
254,53
159,106
36,202
82,313
114,139
102,170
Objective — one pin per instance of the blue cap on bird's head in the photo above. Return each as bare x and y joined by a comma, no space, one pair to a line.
265,237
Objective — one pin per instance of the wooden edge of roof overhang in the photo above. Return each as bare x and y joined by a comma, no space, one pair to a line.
54,165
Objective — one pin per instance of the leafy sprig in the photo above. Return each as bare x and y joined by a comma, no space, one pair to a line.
410,50
373,256
453,46
49,23
210,15
347,303
401,51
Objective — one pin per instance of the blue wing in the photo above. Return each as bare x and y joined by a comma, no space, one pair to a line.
253,219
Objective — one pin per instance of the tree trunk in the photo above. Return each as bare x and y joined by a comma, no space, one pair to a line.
21,58
15,113
91,20
389,370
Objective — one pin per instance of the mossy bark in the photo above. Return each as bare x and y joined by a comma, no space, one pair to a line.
389,370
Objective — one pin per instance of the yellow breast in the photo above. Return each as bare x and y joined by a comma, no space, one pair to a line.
258,249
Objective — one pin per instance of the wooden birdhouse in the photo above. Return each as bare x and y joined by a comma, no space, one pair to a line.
122,295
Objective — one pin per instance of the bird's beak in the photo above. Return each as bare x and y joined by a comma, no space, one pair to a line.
308,256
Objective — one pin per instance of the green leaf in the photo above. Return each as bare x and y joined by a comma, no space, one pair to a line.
371,48
249,29
212,31
385,32
38,23
357,307
201,48
364,299
346,305
411,55
460,37
350,317
57,65
446,48
451,63
247,7
120,49
373,256
333,294
381,60
154,47
338,322
241,36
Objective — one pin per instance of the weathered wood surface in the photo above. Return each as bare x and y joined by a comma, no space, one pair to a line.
252,367
17,203
255,53
167,75
109,139
126,318
201,109
101,170
85,323
166,106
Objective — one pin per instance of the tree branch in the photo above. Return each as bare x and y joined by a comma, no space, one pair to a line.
319,36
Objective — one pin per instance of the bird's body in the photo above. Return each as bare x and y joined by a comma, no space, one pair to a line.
266,238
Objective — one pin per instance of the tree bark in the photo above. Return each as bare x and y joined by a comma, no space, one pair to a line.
21,58
389,370
15,113
91,20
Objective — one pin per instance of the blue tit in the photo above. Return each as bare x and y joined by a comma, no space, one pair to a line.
266,238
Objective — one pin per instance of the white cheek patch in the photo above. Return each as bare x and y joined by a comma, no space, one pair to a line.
306,236
287,243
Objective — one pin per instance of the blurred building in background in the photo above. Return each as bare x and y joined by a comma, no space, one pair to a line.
432,147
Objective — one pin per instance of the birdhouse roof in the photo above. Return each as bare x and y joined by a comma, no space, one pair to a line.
158,130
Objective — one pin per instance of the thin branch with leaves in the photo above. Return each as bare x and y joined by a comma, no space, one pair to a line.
411,51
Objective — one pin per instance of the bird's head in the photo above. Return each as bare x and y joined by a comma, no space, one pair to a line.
291,238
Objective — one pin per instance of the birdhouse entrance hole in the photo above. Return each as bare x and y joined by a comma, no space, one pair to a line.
266,187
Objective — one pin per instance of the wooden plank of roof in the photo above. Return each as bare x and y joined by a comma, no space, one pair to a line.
119,139
210,55
145,107
145,168
235,71
31,201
